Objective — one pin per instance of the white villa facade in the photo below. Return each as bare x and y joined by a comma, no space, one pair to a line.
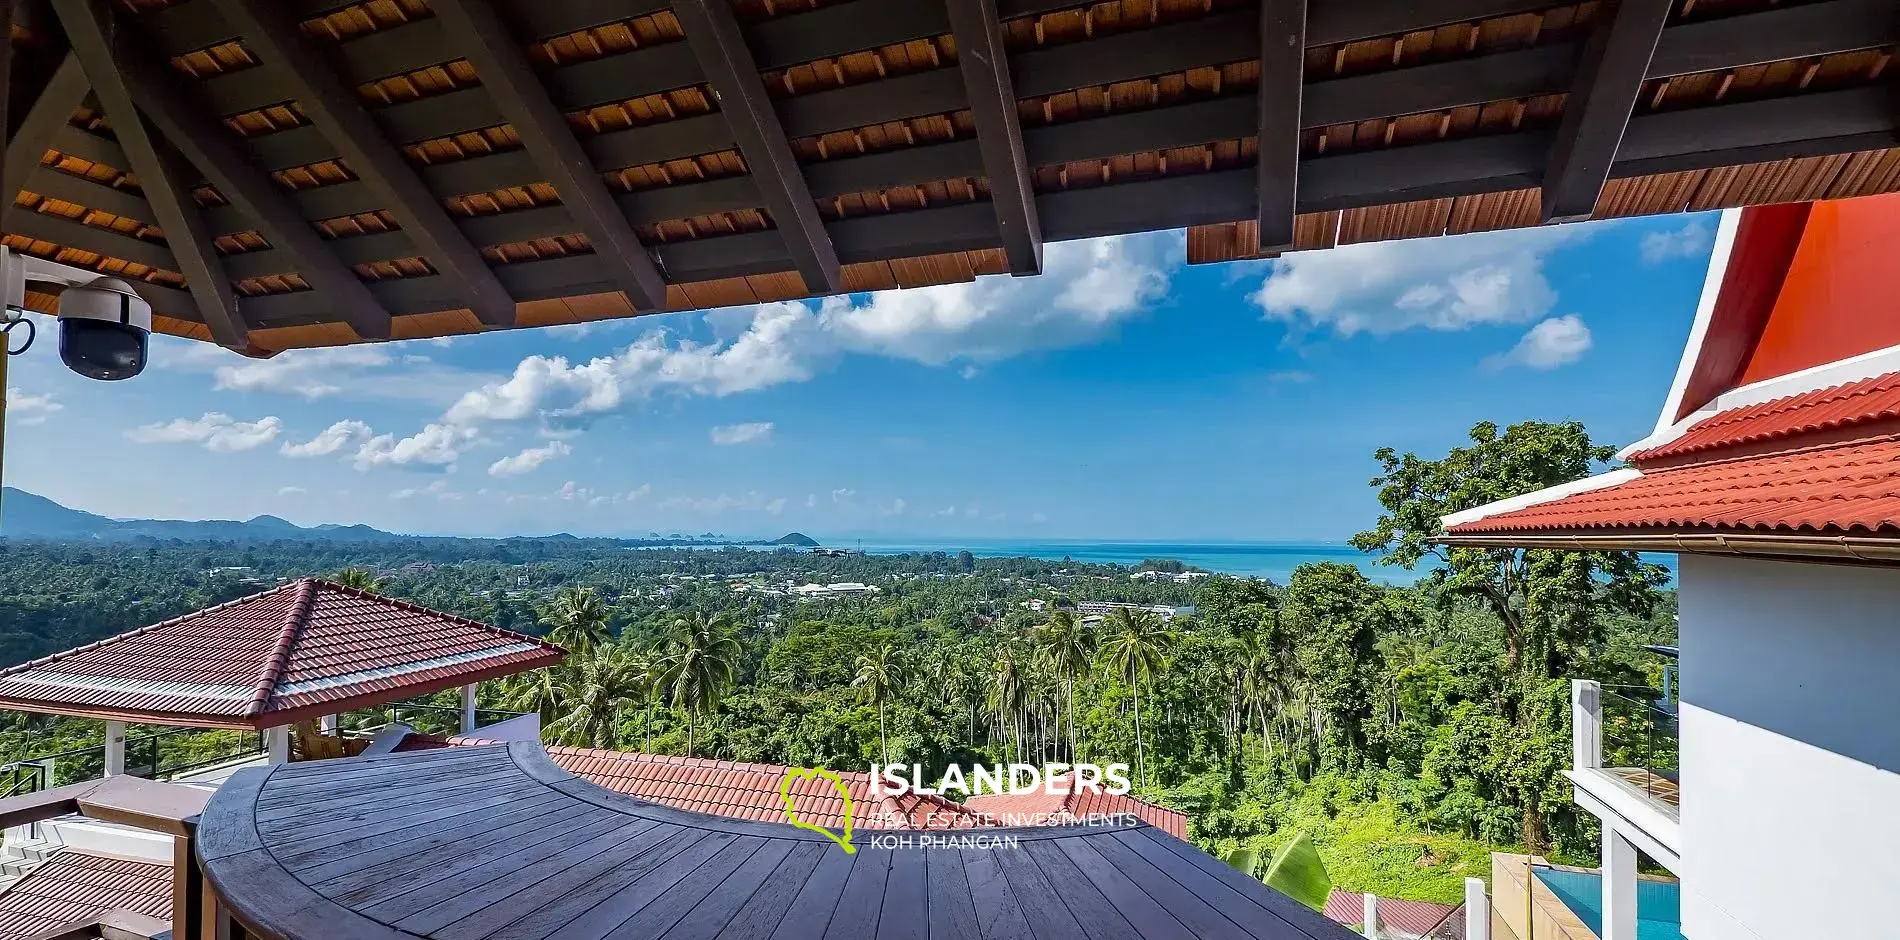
1774,471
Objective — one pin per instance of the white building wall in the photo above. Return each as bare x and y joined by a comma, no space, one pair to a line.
1790,749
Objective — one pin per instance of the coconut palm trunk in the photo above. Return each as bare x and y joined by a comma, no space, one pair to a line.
1141,764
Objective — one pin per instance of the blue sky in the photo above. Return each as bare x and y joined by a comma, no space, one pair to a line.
1124,394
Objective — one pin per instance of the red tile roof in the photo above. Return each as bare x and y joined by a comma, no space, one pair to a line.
1044,808
1397,918
287,654
1829,409
1843,489
74,885
740,790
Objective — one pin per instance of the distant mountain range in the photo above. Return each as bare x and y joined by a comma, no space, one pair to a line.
26,515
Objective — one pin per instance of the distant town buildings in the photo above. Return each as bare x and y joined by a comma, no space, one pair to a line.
1104,608
1177,577
836,589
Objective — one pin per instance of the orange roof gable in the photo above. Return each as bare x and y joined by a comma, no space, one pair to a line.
295,652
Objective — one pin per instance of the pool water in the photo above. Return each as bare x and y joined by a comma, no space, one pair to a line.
1658,903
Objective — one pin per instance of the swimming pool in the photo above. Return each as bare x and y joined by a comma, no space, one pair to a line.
1658,903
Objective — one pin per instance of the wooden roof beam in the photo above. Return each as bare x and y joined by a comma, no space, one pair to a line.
518,92
275,38
50,113
211,146
999,134
89,28
720,46
1282,85
1597,112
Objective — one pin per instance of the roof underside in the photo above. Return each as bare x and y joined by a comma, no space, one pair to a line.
290,654
348,171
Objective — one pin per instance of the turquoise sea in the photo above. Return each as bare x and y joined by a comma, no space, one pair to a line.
1265,559
1275,560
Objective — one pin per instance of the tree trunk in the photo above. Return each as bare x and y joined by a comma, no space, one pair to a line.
1141,764
689,732
1069,695
883,746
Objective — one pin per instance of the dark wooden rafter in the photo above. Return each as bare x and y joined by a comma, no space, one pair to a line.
1597,111
9,180
544,132
212,147
44,121
1797,124
721,48
88,27
1282,85
999,134
274,37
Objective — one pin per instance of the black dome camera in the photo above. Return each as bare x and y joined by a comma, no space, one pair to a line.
104,329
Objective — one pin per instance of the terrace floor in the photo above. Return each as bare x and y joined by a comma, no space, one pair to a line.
1653,785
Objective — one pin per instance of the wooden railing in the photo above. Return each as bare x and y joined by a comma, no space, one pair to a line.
145,804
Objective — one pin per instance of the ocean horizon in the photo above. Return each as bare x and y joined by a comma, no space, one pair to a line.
1273,560
1264,559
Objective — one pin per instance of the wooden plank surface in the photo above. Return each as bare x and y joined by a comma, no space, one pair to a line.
501,842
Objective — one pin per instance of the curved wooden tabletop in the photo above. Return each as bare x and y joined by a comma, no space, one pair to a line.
498,842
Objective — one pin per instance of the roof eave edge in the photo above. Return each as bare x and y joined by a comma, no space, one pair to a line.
1616,477
1786,546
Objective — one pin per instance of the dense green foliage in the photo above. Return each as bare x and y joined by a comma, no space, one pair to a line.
1408,729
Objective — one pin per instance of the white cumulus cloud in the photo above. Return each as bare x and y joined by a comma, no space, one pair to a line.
30,409
1692,240
291,491
728,434
329,440
529,460
1087,288
1551,343
216,431
310,373
435,446
1434,283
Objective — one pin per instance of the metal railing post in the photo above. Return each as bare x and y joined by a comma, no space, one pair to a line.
1586,724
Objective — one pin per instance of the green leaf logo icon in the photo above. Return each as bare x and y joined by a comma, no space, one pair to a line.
791,813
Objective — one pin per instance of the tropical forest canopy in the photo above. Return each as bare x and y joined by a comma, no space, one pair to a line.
1409,729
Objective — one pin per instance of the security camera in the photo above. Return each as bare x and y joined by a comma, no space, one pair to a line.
103,328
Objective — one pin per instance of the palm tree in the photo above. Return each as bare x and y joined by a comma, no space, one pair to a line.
879,673
538,691
1067,647
700,661
361,579
1134,647
594,693
1008,693
580,621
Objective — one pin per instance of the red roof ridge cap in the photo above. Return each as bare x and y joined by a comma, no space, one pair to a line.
279,658
140,631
